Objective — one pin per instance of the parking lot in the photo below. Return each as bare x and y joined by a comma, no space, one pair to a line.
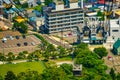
19,43
67,36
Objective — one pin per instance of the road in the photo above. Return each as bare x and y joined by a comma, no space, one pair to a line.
53,41
14,62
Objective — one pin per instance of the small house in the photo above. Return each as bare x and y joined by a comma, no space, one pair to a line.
77,70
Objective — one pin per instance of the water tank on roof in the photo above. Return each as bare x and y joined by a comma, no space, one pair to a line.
53,5
67,4
79,3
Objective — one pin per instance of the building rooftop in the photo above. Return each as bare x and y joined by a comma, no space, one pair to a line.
62,7
117,11
117,44
61,2
113,23
65,11
77,67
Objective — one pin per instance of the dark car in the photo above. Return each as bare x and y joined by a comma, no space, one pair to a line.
24,37
17,37
18,44
25,43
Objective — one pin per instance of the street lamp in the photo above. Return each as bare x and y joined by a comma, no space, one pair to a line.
3,41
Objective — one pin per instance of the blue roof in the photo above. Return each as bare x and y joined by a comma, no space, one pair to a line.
53,5
97,5
37,12
92,1
32,19
9,11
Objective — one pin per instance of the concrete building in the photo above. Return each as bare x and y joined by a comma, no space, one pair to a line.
93,32
77,70
114,29
63,17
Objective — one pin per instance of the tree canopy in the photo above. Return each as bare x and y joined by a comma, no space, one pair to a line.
22,27
101,51
48,1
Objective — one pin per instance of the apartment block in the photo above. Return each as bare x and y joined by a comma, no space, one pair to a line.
63,17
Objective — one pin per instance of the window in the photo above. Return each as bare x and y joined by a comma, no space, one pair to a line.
115,30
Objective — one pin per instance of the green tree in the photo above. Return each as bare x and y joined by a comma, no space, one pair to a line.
48,1
67,68
38,8
10,76
54,73
30,57
21,55
100,14
25,52
101,51
28,75
15,25
118,76
22,27
62,51
37,54
43,46
21,76
25,5
2,57
1,78
10,57
46,55
82,46
54,55
112,74
51,48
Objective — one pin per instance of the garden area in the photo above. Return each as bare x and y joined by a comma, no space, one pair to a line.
22,67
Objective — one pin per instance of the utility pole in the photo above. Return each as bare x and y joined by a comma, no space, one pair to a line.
61,37
3,41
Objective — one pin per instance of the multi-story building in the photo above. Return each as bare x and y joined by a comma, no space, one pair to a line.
114,29
63,17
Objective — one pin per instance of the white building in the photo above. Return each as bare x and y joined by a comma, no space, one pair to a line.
32,3
114,29
63,17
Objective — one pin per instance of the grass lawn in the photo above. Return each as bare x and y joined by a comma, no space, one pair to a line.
68,58
22,67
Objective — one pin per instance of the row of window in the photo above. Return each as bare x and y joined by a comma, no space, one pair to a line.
69,13
62,17
65,18
66,28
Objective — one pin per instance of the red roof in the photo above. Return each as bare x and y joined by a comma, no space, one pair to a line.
101,1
